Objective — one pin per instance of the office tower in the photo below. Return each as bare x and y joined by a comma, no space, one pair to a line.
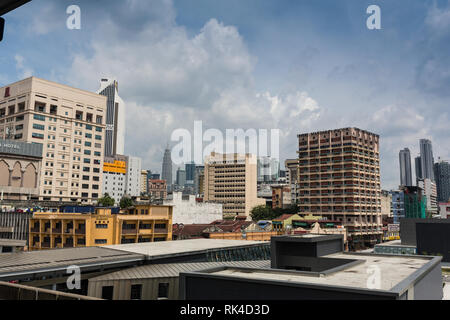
190,173
133,181
426,159
442,176
405,167
429,190
339,179
231,179
69,124
167,167
181,177
115,118
268,169
418,166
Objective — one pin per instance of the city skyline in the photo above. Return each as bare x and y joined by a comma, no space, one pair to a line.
351,63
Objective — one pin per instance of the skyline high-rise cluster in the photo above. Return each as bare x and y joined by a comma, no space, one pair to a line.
166,173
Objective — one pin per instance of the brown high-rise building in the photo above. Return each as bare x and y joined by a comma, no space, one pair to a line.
339,178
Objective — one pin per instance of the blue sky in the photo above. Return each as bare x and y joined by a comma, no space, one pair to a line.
295,65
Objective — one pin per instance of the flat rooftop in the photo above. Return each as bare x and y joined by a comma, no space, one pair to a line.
182,247
393,271
394,243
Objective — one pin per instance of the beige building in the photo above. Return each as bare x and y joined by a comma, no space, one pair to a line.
231,179
339,178
69,123
386,203
144,181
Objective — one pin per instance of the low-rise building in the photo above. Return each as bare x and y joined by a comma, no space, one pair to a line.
157,189
444,210
188,211
141,223
281,196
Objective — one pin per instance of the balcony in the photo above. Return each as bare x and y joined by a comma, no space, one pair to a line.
35,229
129,231
56,230
68,231
68,245
161,230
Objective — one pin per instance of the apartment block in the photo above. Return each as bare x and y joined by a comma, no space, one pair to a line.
69,124
231,179
157,189
141,223
339,178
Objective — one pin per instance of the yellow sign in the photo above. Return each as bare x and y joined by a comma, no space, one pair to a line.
116,167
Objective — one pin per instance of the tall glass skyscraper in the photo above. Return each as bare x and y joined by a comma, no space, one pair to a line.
405,167
115,118
442,175
167,167
426,159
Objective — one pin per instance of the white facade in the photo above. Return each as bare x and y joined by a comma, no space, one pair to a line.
114,184
192,212
133,181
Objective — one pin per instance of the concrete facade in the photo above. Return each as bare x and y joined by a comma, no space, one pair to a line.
69,124
231,179
189,211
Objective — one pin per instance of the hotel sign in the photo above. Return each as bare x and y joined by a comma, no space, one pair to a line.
9,147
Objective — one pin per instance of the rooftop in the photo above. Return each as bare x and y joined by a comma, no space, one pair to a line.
181,247
174,269
393,270
35,261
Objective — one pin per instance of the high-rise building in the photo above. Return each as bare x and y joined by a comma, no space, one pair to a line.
69,124
134,165
339,178
144,181
405,167
418,166
291,166
181,177
231,179
115,118
167,167
426,159
430,192
442,176
190,173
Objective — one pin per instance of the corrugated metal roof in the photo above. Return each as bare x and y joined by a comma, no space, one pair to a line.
182,247
174,269
25,261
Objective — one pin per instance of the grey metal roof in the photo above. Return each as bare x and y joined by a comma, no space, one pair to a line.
182,247
60,258
174,269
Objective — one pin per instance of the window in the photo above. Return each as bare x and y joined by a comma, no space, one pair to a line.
97,137
101,226
88,135
37,135
163,290
98,129
107,291
88,127
136,292
39,117
87,144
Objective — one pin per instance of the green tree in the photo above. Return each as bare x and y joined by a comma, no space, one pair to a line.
106,201
126,202
261,212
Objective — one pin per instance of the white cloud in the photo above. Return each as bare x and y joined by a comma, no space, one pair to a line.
169,79
24,71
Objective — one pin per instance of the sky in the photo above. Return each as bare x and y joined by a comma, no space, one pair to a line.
294,65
